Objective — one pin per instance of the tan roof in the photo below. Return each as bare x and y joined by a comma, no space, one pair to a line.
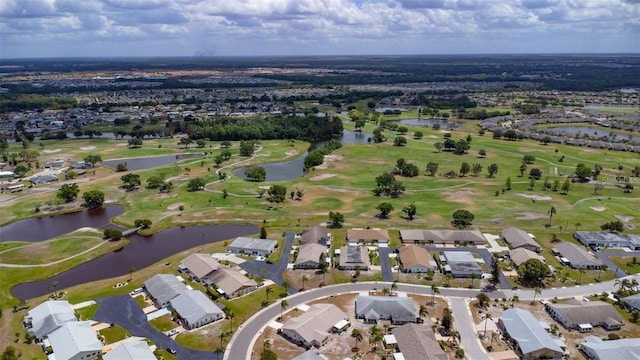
443,236
231,280
413,255
313,235
418,342
200,265
367,234
310,252
520,255
316,322
517,238
592,312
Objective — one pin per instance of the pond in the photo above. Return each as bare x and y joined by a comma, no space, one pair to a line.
46,227
149,162
592,132
141,252
287,170
444,124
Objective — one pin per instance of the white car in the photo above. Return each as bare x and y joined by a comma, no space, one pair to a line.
172,332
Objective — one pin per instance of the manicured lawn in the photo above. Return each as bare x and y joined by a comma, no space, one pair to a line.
114,334
87,312
163,323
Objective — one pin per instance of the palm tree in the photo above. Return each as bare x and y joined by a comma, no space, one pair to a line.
552,212
487,317
230,316
266,345
304,279
536,291
634,284
603,267
434,290
386,327
286,285
356,334
394,286
283,306
385,291
581,271
493,336
514,300
131,271
577,226
423,312
268,291
473,277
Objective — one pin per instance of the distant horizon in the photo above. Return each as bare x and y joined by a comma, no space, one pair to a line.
125,57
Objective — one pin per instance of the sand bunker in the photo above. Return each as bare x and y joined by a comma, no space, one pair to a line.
291,152
175,206
530,216
87,148
51,151
624,218
597,208
536,197
329,159
458,194
86,229
322,177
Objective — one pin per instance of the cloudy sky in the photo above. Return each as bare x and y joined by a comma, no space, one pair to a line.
67,28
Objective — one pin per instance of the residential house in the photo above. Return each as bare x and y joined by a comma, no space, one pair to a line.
418,342
75,340
632,302
521,255
199,266
353,257
231,283
529,337
461,264
43,179
622,349
577,257
309,256
195,309
252,246
517,239
134,348
415,259
368,236
608,239
398,310
48,317
442,237
312,328
164,287
581,315
316,235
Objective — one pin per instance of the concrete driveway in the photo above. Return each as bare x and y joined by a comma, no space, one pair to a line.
123,310
385,264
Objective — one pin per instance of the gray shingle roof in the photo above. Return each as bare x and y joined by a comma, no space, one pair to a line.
399,309
164,287
633,301
49,316
527,331
418,342
253,244
517,238
592,312
622,349
577,255
131,350
443,236
193,306
73,338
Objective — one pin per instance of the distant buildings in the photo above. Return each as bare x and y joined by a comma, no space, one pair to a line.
75,340
521,255
199,266
228,281
442,237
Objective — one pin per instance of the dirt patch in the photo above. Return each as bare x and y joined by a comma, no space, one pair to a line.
53,151
597,208
328,160
530,216
175,206
536,197
87,148
526,150
291,152
458,194
322,177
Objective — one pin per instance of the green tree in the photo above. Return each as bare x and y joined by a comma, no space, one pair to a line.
482,153
523,168
93,159
495,271
154,182
256,173
483,300
434,290
144,223
493,170
446,322
68,192
432,168
532,272
185,142
400,141
476,169
336,219
507,184
93,198
357,335
551,212
438,146
246,148
130,181
461,147
566,186
263,233
218,159
283,306
201,143
418,135
385,209
113,234
410,210
195,184
9,353
613,226
583,172
462,218
464,169
277,193
20,170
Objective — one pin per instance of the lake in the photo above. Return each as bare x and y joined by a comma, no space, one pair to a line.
444,124
149,162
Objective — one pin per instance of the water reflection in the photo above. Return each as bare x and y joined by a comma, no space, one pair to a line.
150,161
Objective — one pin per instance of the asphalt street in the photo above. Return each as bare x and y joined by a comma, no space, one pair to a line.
468,335
486,256
604,256
385,264
124,311
272,271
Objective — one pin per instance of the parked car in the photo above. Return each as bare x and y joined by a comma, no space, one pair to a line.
171,350
172,332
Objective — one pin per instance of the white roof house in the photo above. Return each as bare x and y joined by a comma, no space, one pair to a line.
252,246
75,340
531,338
136,349
622,349
195,309
48,317
312,327
399,310
164,287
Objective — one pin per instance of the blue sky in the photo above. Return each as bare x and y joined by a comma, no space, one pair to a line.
82,28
